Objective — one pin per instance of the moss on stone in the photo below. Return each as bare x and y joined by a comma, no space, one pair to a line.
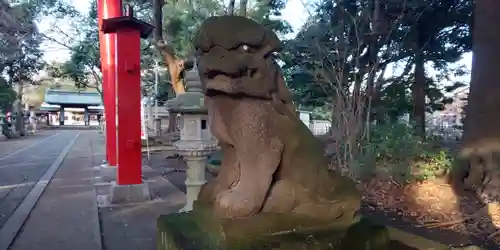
199,230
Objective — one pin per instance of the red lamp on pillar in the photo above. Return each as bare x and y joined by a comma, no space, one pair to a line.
129,31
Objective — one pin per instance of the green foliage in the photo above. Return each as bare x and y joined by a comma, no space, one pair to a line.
84,64
44,8
181,20
395,97
394,150
7,95
321,113
332,55
268,13
20,54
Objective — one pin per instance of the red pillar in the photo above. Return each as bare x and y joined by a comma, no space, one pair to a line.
128,31
109,9
128,91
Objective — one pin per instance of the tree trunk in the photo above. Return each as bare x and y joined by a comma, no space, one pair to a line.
340,64
230,7
175,65
20,114
243,7
158,19
373,87
375,96
418,87
481,139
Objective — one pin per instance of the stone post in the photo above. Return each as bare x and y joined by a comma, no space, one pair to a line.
61,116
86,117
151,118
196,141
2,123
158,127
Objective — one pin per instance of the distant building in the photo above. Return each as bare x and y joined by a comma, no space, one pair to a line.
453,113
64,107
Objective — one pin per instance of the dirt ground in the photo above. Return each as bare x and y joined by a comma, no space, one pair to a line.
435,205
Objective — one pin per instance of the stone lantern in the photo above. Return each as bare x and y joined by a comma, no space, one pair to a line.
196,142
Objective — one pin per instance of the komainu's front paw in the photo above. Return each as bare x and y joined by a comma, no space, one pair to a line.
234,203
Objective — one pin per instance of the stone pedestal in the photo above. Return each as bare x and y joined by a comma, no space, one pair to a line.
106,173
200,230
112,194
122,194
195,153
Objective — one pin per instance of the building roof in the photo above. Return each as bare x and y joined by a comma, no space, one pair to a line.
56,96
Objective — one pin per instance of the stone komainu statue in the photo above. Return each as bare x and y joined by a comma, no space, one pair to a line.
272,162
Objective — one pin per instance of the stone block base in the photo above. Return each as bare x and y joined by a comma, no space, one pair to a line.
107,173
199,230
121,194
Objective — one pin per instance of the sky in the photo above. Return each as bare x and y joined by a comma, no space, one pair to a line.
54,51
295,12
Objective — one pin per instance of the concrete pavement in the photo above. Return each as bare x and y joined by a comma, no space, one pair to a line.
25,173
66,215
133,226
23,164
12,145
50,193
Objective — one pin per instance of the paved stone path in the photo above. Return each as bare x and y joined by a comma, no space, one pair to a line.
24,164
48,197
9,146
24,173
65,217
133,226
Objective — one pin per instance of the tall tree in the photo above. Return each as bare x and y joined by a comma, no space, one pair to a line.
347,45
481,139
230,7
174,63
178,22
84,64
23,57
437,33
243,7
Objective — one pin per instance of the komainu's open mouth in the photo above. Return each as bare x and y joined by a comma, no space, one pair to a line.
212,74
214,92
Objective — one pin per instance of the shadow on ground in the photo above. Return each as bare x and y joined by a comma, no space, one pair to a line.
133,226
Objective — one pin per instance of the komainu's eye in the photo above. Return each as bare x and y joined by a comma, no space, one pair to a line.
245,47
